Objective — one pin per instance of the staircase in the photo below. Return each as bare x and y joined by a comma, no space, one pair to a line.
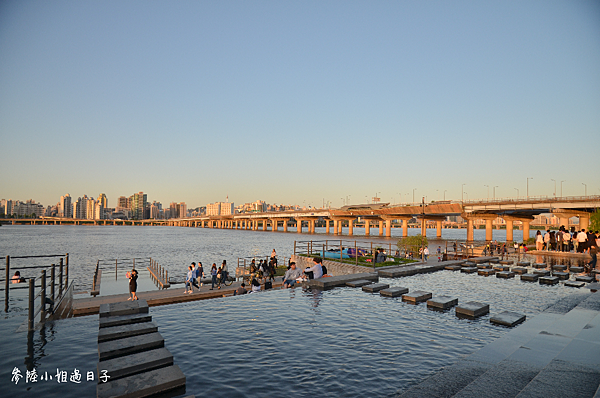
554,354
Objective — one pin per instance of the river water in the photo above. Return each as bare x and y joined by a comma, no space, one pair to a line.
297,343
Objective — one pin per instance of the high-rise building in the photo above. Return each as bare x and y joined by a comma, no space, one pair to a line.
65,208
123,203
181,210
80,208
220,209
138,202
103,200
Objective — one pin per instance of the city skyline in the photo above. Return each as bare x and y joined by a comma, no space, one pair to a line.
300,103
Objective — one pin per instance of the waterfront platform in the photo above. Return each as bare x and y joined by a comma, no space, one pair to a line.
554,354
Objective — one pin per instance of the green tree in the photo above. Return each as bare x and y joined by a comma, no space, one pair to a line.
595,220
412,243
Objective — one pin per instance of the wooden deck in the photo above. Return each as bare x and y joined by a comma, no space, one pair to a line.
172,295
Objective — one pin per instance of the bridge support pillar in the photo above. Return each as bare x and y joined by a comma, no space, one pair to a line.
380,227
264,224
335,227
274,225
350,227
488,229
367,227
285,223
405,227
469,230
438,228
327,220
388,228
299,225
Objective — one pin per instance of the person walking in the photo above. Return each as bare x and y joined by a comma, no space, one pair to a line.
213,274
200,274
539,240
189,280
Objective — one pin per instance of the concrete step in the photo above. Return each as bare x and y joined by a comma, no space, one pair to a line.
123,308
129,365
154,382
111,321
122,331
129,345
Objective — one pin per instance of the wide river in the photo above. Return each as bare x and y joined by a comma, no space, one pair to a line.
294,342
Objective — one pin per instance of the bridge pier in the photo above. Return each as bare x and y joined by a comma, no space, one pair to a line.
388,228
285,224
380,227
327,220
298,225
367,227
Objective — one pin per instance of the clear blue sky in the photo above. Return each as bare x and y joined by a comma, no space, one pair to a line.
298,102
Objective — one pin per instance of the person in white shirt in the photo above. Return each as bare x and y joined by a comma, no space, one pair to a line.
316,271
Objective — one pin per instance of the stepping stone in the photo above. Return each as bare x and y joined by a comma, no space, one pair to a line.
486,272
508,318
574,284
394,291
468,270
154,382
472,309
505,274
453,267
539,265
541,272
548,280
111,321
469,264
502,268
524,264
122,331
129,345
442,302
519,270
123,308
484,266
416,297
530,277
506,262
375,287
136,363
585,278
561,275
494,260
358,283
576,270
559,267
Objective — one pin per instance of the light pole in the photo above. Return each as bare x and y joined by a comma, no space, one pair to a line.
445,194
584,184
517,192
462,189
561,187
552,179
495,192
437,190
343,203
528,178
488,187
414,195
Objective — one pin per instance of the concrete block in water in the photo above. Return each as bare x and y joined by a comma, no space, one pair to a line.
111,321
122,331
442,302
505,274
358,283
585,278
341,280
574,284
506,262
453,267
469,270
502,268
519,270
136,363
541,272
508,318
523,264
559,267
530,277
154,382
548,280
394,291
486,272
375,287
561,275
124,308
484,266
472,309
539,265
129,345
416,297
576,270
469,264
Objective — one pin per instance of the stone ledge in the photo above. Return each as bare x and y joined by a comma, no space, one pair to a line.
122,331
375,287
129,345
340,280
530,277
136,363
548,280
505,274
442,302
472,309
154,382
123,308
393,291
508,318
358,283
416,296
107,322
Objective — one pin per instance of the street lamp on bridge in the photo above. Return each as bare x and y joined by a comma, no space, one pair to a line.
517,192
528,178
462,189
561,187
495,192
488,187
552,179
584,184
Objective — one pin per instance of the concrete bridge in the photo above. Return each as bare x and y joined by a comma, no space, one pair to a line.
378,215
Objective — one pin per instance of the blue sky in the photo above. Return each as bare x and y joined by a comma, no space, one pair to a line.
298,102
